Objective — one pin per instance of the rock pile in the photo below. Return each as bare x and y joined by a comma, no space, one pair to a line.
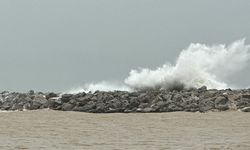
201,100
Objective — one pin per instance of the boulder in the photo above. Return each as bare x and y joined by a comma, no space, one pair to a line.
193,107
35,105
67,107
100,108
89,107
6,106
221,103
39,101
177,98
207,104
133,104
51,95
174,107
66,98
53,103
116,105
144,98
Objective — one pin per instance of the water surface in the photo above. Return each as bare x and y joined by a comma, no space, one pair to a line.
47,129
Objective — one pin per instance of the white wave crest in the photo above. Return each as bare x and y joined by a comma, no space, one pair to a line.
196,66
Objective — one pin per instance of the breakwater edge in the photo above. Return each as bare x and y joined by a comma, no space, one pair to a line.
147,101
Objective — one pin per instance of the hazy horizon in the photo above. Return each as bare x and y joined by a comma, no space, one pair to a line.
56,45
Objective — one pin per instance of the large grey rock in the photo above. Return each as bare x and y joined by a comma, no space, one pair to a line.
207,104
39,101
67,107
100,108
221,103
35,105
144,98
133,103
66,98
177,98
85,99
208,94
53,103
160,106
6,106
89,107
115,105
174,107
51,95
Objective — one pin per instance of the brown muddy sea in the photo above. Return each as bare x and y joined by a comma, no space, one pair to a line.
47,129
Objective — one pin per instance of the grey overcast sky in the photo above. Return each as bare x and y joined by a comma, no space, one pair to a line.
59,44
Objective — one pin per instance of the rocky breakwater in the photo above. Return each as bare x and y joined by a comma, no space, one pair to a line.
201,100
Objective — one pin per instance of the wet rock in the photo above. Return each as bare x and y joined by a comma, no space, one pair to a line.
143,105
66,98
39,101
193,107
208,94
35,105
144,98
160,106
84,100
6,106
41,98
53,103
81,94
173,107
221,103
89,107
73,102
58,107
100,108
207,104
26,106
166,97
51,95
177,98
133,103
243,102
67,107
116,105
158,98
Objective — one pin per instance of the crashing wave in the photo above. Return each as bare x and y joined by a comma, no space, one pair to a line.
196,66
